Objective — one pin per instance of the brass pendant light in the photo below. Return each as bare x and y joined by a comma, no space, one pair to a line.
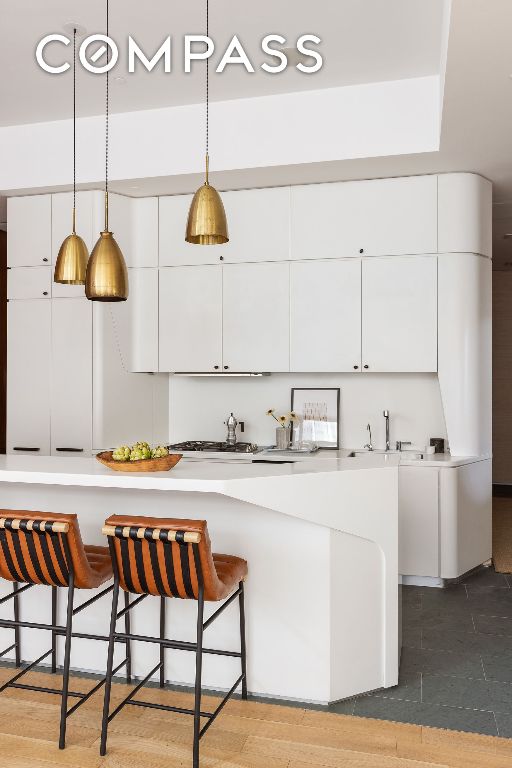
107,276
73,254
207,223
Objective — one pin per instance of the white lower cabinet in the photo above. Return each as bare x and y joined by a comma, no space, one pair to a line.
418,522
28,376
256,317
325,316
190,319
445,519
71,390
399,311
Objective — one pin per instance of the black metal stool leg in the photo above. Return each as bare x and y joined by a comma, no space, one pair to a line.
67,661
242,640
110,664
17,637
54,635
128,642
162,637
199,667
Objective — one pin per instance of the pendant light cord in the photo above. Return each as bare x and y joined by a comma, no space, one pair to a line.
74,131
207,92
107,126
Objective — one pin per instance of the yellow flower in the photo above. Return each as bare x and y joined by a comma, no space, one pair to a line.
270,411
293,416
283,419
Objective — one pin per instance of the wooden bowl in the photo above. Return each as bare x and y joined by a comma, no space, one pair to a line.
163,464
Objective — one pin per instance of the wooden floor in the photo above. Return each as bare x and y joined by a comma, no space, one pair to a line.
245,735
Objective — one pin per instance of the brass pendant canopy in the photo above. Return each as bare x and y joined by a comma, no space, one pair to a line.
71,262
207,223
107,276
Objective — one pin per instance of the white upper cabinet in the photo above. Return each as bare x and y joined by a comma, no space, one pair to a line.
399,311
29,231
173,250
190,335
256,317
28,376
71,392
325,315
258,225
143,309
375,218
465,214
144,246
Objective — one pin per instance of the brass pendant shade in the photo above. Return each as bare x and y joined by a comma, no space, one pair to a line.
71,264
207,224
107,276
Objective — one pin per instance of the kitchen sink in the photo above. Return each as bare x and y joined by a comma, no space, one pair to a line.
405,454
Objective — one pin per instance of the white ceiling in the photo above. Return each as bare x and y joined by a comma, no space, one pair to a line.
362,41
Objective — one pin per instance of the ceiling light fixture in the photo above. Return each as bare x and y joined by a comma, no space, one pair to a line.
107,276
71,262
207,223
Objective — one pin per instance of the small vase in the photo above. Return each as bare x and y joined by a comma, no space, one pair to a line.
283,435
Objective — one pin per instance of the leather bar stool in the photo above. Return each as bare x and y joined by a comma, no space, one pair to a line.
171,558
44,548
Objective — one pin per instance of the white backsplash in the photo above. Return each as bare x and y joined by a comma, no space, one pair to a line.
199,406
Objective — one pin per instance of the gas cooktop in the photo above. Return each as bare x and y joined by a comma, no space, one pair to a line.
212,447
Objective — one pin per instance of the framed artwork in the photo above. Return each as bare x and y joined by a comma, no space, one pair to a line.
318,412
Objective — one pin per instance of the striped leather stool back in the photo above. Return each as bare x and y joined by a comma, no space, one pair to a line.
34,550
159,557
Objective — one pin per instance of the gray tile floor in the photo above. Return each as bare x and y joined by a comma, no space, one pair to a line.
456,667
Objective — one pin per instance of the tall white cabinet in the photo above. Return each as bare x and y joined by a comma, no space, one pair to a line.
28,376
70,387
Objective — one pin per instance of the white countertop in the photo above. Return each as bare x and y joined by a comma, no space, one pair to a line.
405,458
187,475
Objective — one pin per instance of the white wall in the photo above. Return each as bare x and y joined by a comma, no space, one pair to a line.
199,406
371,120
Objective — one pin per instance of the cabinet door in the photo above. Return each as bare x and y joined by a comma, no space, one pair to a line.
325,315
29,232
71,392
399,314
143,307
258,225
418,521
379,217
190,326
29,283
28,376
256,317
173,250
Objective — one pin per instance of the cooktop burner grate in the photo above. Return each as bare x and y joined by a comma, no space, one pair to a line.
213,447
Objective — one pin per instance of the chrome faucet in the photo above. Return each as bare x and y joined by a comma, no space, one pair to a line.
400,444
386,416
369,443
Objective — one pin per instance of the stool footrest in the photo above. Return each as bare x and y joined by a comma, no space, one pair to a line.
178,645
167,708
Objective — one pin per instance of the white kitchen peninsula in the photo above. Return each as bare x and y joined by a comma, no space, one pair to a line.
321,540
